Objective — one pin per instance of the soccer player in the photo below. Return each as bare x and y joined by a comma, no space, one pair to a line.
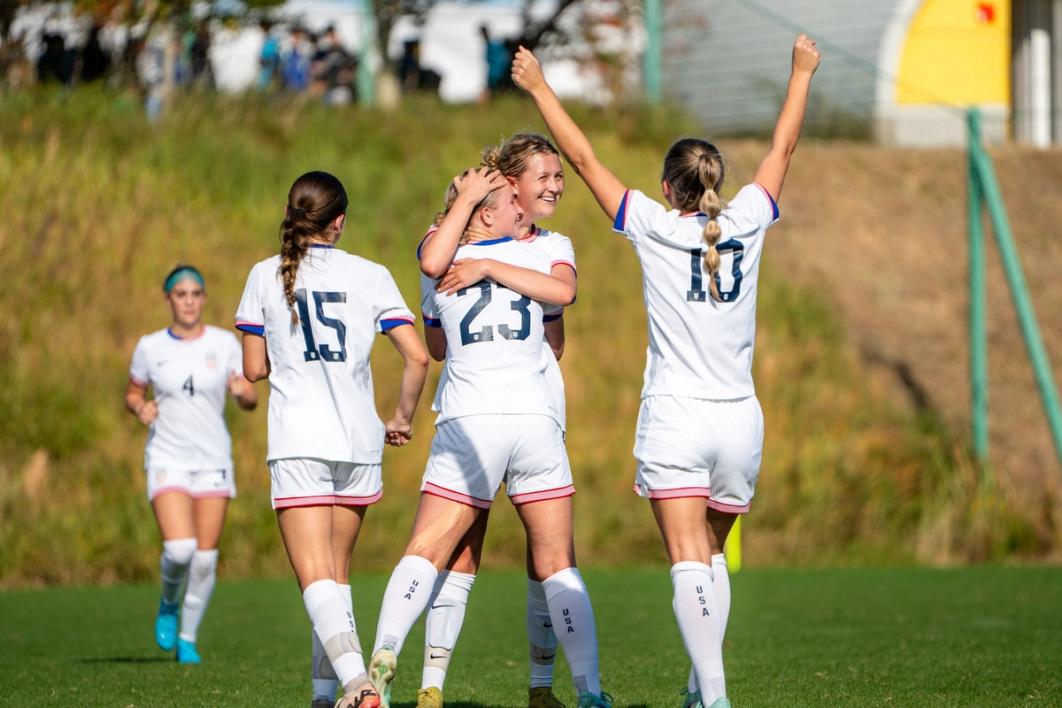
188,456
497,422
700,429
309,317
533,166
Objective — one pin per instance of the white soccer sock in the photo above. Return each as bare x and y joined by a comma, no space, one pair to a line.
334,623
407,594
446,614
541,638
202,575
573,622
322,675
698,618
176,557
721,583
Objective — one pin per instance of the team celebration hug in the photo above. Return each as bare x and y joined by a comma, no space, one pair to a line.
495,283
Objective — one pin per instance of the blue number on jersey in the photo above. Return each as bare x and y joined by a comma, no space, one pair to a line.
697,293
486,333
313,351
188,386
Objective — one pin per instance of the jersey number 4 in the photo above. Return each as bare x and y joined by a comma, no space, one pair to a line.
486,333
315,352
697,293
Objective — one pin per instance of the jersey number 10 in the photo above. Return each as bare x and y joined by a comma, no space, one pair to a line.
315,352
697,293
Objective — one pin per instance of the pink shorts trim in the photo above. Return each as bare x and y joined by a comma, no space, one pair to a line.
728,508
351,500
319,500
460,497
213,494
545,494
676,493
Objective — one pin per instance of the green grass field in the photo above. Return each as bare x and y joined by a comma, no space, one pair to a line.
985,636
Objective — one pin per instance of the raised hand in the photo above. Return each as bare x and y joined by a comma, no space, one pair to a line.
805,54
477,184
147,412
527,72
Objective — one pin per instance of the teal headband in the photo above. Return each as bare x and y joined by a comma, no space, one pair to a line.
180,274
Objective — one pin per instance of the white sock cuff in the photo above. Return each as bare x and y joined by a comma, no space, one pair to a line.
719,559
536,595
690,567
419,564
180,550
561,581
205,560
317,593
452,583
348,597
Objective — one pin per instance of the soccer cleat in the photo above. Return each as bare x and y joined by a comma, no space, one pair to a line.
430,697
692,700
723,702
542,697
322,703
186,653
382,673
592,700
166,626
365,698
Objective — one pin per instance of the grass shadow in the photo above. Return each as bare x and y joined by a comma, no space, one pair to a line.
126,660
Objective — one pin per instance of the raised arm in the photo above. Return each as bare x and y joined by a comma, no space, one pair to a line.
607,189
437,252
771,172
557,288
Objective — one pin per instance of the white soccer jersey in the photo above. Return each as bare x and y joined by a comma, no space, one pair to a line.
558,249
321,397
494,340
698,347
189,378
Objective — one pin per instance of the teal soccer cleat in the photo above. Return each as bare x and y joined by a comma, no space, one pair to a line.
186,653
723,702
590,700
692,700
166,626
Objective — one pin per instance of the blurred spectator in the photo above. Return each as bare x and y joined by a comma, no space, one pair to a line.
411,75
499,58
268,58
54,63
95,61
198,53
334,69
296,64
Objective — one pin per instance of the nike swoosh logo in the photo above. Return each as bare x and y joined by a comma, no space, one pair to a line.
548,625
548,657
434,656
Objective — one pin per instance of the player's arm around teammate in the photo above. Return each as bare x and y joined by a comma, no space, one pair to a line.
698,424
497,422
309,318
188,455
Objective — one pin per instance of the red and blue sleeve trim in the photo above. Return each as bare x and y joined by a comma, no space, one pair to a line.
431,321
620,224
774,204
429,234
251,328
553,318
392,322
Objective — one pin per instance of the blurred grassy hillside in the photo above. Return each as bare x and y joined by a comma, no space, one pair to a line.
97,206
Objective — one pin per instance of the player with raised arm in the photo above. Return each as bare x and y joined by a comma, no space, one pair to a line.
309,317
700,428
497,422
188,456
532,165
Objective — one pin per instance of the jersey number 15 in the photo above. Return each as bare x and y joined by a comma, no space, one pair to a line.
315,352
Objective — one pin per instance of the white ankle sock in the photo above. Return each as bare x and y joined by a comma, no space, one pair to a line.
202,575
721,584
573,622
322,675
334,624
698,618
541,638
407,594
446,614
176,557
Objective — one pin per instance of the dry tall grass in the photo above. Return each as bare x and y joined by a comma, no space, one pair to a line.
97,206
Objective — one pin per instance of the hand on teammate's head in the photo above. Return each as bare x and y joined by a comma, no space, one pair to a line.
806,54
478,183
527,72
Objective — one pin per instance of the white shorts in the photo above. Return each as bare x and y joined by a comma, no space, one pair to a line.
692,447
471,456
308,481
198,484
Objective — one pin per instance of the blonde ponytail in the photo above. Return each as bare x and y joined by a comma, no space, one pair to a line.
709,171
